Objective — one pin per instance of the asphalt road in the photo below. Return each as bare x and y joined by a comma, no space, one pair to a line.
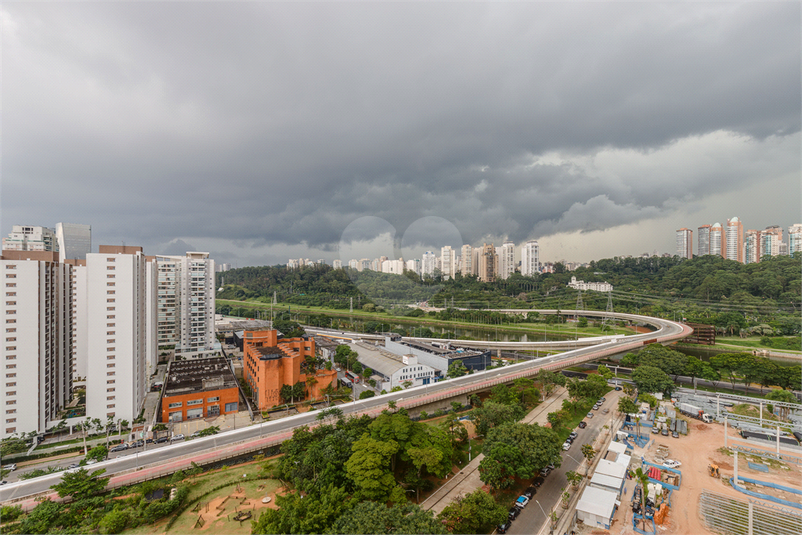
282,428
531,519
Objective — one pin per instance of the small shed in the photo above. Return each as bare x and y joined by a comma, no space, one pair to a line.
596,507
610,468
618,447
609,483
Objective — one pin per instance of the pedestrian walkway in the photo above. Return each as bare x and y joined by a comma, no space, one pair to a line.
467,480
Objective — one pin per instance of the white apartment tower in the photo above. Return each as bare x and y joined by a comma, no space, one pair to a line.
448,262
30,238
735,240
752,247
685,243
117,317
770,241
337,263
703,235
794,238
718,244
428,264
37,352
506,256
530,258
466,258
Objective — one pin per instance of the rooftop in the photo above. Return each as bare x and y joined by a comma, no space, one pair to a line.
378,359
199,375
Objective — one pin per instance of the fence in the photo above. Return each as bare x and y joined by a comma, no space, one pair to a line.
730,516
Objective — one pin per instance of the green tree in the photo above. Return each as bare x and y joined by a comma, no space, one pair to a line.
492,414
297,514
517,450
368,518
784,396
477,512
369,467
605,372
98,453
588,453
365,394
627,406
209,431
81,483
113,521
651,379
456,369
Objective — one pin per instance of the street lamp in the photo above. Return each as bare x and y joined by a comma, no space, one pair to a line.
551,530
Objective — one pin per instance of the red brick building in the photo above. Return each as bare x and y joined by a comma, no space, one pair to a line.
199,388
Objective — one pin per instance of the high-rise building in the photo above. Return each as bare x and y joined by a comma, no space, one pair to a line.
735,240
752,247
117,316
466,260
530,258
30,238
74,241
703,235
488,262
506,259
337,263
685,243
718,243
428,264
413,265
448,262
794,238
37,353
770,241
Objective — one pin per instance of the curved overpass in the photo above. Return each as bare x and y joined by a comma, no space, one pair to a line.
134,468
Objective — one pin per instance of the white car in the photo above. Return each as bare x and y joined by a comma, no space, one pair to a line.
566,445
10,467
669,463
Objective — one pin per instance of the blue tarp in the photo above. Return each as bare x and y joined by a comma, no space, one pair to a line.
766,496
760,467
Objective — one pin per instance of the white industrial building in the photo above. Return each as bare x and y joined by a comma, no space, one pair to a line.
394,370
37,352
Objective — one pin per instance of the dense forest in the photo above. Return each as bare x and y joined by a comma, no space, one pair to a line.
760,299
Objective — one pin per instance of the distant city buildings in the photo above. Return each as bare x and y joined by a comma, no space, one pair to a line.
30,238
794,238
685,243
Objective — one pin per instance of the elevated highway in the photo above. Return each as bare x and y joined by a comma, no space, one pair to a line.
141,466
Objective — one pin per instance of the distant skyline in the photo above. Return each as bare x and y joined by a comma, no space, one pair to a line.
266,131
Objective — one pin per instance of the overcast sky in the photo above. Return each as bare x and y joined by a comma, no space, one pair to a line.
262,131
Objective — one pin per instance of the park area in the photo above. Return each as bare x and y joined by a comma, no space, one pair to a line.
221,501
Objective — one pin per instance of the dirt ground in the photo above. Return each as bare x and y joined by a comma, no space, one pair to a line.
696,451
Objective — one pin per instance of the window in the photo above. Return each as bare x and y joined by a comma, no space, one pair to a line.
11,402
11,285
11,321
110,341
110,357
111,389
10,420
11,266
111,259
11,411
11,429
109,292
11,275
109,374
10,366
11,348
110,398
11,294
212,400
110,316
11,330
110,406
11,338
10,375
11,311
110,324
231,407
110,382
11,357
110,276
110,300
110,349
109,333
110,365
195,402
11,384
11,303
174,405
110,308
109,284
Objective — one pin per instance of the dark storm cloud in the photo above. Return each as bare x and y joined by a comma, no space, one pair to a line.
283,123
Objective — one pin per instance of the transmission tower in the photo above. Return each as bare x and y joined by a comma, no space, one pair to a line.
607,319
579,304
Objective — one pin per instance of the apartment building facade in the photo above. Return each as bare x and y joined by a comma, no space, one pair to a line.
735,240
685,243
530,258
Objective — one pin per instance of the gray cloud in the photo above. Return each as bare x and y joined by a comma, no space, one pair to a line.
271,125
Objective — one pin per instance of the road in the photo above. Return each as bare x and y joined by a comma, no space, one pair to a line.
277,431
531,519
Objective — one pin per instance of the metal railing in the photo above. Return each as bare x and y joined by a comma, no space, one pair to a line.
730,516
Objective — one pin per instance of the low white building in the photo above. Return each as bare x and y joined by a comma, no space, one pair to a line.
592,286
394,370
596,507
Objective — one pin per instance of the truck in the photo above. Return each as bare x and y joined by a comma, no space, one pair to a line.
694,412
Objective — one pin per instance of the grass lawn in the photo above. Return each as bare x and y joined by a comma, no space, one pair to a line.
744,409
754,343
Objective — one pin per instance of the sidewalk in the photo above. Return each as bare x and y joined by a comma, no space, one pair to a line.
467,480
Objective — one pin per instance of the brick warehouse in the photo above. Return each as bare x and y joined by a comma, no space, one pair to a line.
199,388
272,362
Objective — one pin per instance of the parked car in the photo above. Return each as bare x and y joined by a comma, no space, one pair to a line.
195,434
10,467
664,432
3,482
177,437
618,389
91,461
521,502
655,430
139,443
119,447
530,491
537,481
73,465
602,400
605,411
502,528
583,424
573,435
674,434
670,463
162,440
513,514
566,446
545,472
590,415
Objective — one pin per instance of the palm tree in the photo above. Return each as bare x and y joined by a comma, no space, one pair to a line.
644,480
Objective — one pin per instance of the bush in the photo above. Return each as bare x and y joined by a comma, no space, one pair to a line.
113,522
9,513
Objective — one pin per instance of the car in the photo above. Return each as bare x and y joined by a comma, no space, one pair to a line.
530,491
73,465
149,441
162,440
139,443
3,482
10,467
590,415
664,432
655,430
502,528
544,472
573,435
521,501
513,514
618,389
583,424
177,437
566,446
674,434
602,400
195,434
569,440
670,463
91,461
605,411
119,447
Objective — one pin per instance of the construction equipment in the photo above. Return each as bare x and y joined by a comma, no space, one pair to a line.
712,470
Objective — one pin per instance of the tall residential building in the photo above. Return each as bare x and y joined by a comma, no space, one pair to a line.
488,262
30,238
413,265
735,240
74,241
685,243
703,235
752,247
428,263
506,260
337,263
466,260
794,238
530,258
396,267
448,262
37,353
718,243
770,241
117,324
